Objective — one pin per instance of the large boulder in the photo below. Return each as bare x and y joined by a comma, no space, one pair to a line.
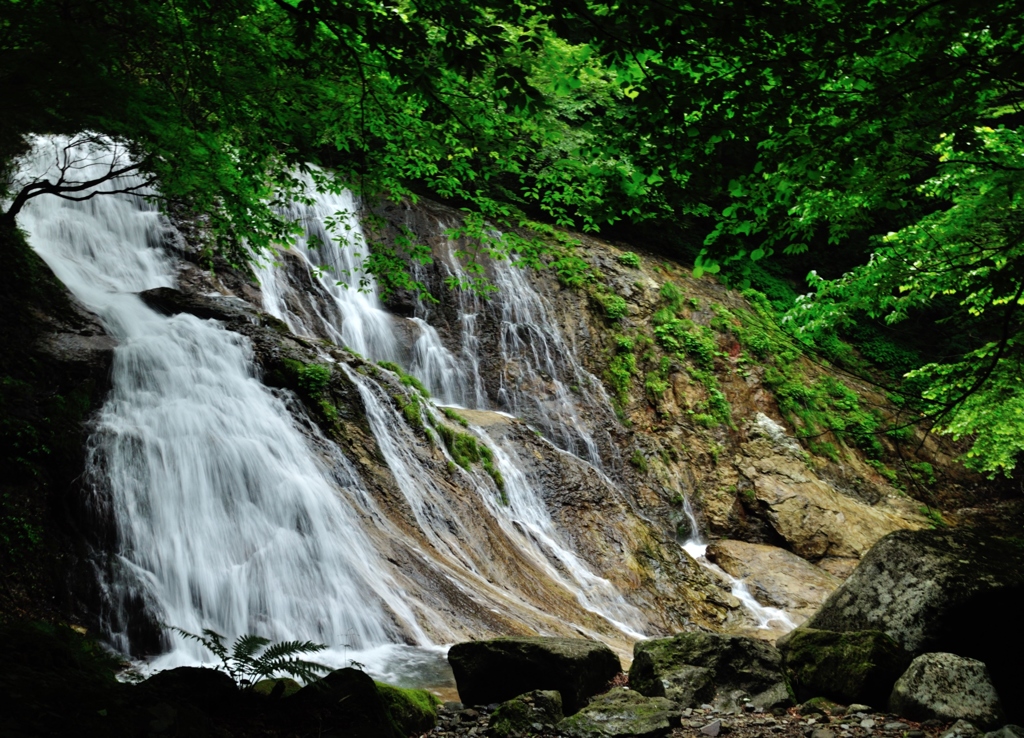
850,668
944,686
933,590
774,576
694,668
502,668
621,713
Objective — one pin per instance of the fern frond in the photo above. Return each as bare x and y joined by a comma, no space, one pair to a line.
246,646
291,648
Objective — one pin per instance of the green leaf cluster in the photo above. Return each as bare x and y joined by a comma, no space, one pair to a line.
252,658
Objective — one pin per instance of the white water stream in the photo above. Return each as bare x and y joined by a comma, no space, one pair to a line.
765,617
225,518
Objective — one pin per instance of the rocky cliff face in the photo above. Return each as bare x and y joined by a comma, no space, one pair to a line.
533,461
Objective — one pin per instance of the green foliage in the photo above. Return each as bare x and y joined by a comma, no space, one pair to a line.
629,259
454,416
620,373
615,307
19,534
313,379
466,450
638,460
413,710
407,379
934,516
252,658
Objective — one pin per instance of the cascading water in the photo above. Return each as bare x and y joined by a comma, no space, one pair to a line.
332,252
541,381
765,617
224,518
229,517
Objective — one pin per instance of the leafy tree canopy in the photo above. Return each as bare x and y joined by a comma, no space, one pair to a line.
884,133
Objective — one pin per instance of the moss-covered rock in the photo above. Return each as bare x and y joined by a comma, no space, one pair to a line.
859,666
346,700
276,688
926,590
691,668
527,714
622,712
412,710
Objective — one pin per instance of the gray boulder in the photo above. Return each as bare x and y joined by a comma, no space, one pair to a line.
939,590
1007,731
622,712
503,668
944,686
695,668
858,666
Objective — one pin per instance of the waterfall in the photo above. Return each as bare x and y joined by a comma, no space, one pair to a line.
225,518
230,517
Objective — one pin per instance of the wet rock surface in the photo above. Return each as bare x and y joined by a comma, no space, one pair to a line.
774,576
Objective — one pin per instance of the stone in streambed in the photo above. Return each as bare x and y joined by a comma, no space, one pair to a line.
940,591
502,668
621,713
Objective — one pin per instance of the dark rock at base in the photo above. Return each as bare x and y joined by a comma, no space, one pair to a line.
519,715
694,668
927,588
622,712
503,668
1007,731
206,689
857,666
345,702
276,688
945,686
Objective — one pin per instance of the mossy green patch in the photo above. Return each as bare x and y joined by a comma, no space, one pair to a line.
858,666
413,710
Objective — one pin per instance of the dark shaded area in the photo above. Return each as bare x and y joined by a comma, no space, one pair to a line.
503,668
58,683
